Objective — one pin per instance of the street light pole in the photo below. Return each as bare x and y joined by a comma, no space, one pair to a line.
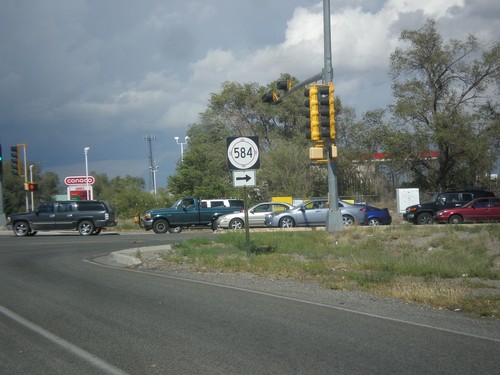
86,151
182,145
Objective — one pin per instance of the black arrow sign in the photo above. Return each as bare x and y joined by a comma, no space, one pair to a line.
246,178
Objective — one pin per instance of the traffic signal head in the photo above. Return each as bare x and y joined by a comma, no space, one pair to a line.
284,85
321,114
270,97
312,113
14,153
331,107
30,186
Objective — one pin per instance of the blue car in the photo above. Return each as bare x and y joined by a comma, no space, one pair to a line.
377,216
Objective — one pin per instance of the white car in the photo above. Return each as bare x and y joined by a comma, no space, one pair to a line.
256,215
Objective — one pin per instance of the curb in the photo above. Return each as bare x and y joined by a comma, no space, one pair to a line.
128,257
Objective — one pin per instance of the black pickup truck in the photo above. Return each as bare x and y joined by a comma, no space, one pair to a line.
186,212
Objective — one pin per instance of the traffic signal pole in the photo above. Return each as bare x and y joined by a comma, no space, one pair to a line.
334,219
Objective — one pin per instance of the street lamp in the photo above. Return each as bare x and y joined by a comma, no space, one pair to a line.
86,151
182,145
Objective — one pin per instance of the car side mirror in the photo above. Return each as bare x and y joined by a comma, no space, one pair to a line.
302,209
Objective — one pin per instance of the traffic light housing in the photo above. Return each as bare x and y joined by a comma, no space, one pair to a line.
312,113
321,112
331,111
30,186
14,158
270,97
284,85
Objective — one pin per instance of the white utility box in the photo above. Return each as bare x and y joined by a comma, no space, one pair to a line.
407,197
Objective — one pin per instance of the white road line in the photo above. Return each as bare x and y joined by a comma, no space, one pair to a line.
82,354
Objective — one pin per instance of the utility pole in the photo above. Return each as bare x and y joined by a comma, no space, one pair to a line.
334,219
152,167
334,222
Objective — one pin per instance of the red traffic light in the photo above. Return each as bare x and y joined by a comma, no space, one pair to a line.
30,186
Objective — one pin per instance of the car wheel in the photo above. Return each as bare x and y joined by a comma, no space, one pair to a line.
21,228
236,224
96,231
177,229
86,227
373,222
348,220
455,219
424,218
214,225
287,222
160,226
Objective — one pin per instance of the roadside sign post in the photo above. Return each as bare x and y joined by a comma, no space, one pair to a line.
243,159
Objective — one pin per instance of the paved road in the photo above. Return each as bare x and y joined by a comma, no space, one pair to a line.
61,313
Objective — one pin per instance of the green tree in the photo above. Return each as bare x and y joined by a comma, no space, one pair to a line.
445,101
238,111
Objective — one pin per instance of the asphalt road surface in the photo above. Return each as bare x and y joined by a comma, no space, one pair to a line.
63,313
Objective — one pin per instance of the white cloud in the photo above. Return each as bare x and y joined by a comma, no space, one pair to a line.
118,73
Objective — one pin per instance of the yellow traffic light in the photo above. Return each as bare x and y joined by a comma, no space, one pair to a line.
270,97
331,107
312,124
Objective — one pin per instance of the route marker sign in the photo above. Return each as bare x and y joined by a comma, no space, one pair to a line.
243,153
244,178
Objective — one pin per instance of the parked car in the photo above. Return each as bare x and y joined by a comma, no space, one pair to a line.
256,215
87,217
314,213
423,213
377,216
479,210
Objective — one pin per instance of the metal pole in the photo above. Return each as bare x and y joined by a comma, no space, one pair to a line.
334,220
152,166
86,151
26,177
31,181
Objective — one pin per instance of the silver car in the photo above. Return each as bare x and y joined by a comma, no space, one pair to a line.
256,215
314,213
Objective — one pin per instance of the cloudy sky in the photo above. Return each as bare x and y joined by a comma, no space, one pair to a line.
107,73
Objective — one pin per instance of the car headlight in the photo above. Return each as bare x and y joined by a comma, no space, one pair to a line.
147,215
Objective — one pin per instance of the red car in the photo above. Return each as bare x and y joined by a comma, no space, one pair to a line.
478,210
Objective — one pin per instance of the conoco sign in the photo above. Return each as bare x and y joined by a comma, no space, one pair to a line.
79,180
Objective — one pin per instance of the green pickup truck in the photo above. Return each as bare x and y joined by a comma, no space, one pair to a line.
186,212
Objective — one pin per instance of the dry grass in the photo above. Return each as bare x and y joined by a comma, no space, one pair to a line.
452,267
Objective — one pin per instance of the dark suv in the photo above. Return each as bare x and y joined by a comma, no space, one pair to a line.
423,213
87,217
